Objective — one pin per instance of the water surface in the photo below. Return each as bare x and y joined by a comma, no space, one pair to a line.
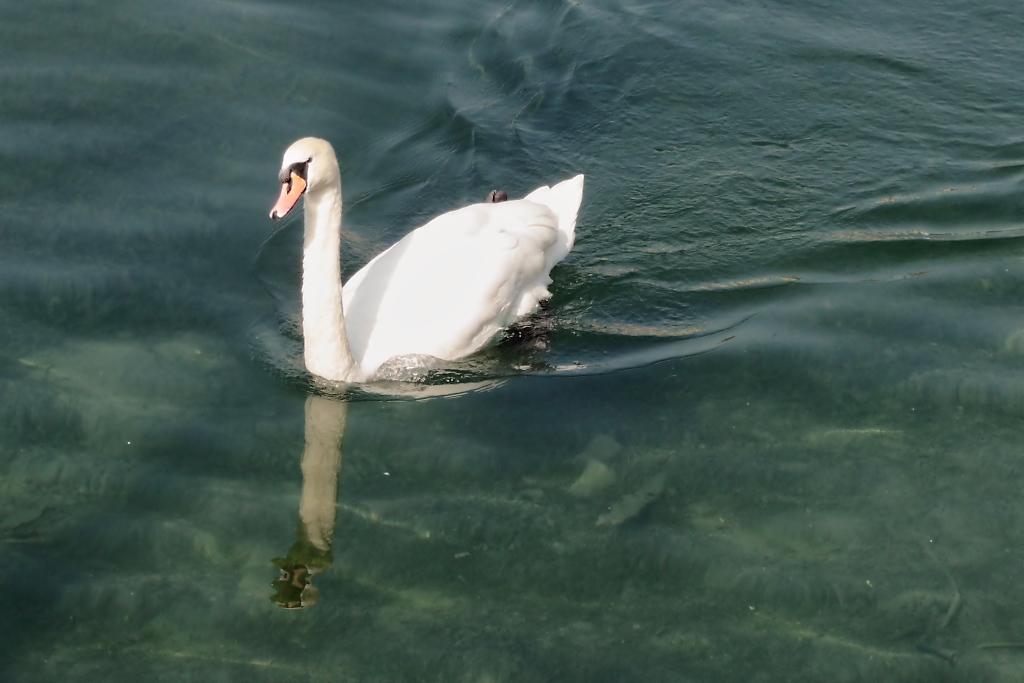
767,430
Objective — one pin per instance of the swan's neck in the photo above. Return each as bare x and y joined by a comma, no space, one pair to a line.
323,319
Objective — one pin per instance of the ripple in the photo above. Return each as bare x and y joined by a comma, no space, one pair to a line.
608,349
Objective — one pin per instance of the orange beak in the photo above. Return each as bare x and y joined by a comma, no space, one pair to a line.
290,193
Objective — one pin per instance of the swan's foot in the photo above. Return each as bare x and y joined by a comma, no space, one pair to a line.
497,196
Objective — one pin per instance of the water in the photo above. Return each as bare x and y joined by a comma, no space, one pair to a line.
769,429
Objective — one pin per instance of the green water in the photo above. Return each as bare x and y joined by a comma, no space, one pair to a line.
768,429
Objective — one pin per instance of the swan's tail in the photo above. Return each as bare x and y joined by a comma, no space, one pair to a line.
564,200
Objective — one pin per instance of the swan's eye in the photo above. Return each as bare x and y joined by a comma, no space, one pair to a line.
298,168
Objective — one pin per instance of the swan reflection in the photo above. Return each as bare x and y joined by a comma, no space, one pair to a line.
321,464
318,508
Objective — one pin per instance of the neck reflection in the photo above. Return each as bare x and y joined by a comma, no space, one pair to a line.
318,509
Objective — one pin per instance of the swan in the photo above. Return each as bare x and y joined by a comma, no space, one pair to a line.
444,290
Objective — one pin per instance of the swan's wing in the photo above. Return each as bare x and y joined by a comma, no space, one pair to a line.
450,286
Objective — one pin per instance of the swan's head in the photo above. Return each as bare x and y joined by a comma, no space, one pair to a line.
309,166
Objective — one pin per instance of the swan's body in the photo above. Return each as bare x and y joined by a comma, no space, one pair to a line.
444,290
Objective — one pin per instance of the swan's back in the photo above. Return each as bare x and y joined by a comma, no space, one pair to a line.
449,287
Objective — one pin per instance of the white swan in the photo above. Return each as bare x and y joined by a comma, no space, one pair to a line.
444,290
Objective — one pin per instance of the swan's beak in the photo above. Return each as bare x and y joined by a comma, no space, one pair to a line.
290,193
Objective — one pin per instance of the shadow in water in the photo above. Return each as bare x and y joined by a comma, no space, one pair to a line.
318,507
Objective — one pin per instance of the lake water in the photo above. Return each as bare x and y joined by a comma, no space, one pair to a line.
769,428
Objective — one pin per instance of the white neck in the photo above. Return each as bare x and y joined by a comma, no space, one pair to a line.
323,319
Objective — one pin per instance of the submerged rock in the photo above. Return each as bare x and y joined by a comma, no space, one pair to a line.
601,447
629,506
1014,343
596,477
